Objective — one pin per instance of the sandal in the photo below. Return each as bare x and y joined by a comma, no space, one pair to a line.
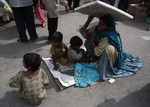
44,25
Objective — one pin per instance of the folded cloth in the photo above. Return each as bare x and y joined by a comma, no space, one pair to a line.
85,74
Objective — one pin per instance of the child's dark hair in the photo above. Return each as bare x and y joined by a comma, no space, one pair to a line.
76,41
33,60
57,36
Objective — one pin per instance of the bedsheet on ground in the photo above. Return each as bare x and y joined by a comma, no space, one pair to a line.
80,74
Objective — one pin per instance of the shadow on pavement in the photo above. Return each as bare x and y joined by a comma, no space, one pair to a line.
139,98
11,99
8,33
16,49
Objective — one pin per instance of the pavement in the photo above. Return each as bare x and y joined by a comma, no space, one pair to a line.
133,91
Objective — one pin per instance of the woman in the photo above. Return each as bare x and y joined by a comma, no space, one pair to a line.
104,42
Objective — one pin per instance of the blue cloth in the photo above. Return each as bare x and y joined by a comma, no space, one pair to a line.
130,66
85,74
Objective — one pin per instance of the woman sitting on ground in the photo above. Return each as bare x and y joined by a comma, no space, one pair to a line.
104,42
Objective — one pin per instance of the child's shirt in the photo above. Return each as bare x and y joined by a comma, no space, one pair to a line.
59,53
32,88
52,7
73,55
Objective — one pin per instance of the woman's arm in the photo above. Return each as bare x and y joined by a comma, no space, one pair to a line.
90,38
85,29
103,43
88,21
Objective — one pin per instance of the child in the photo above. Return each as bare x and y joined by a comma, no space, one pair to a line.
53,14
75,53
39,12
58,50
31,82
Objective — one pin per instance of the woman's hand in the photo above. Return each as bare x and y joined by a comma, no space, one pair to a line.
82,51
89,35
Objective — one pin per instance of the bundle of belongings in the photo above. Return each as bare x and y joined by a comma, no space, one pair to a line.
4,8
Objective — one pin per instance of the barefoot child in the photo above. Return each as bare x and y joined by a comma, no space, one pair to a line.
32,81
75,52
58,50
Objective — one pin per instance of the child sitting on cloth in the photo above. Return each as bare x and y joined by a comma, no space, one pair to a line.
58,50
75,52
31,82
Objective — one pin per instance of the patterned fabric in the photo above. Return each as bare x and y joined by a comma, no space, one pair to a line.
85,74
131,64
32,88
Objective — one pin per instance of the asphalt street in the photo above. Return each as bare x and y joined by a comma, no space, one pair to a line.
133,91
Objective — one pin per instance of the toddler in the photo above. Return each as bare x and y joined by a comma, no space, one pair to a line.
32,81
58,50
75,52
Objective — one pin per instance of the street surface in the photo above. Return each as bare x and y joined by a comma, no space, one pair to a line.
133,91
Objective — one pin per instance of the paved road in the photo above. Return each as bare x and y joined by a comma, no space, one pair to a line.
131,91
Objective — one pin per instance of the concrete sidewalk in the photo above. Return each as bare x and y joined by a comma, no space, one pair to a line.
124,92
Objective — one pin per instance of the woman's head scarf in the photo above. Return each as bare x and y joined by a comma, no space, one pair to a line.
112,35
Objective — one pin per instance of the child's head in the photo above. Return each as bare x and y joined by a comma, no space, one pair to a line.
32,61
106,23
76,41
57,38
